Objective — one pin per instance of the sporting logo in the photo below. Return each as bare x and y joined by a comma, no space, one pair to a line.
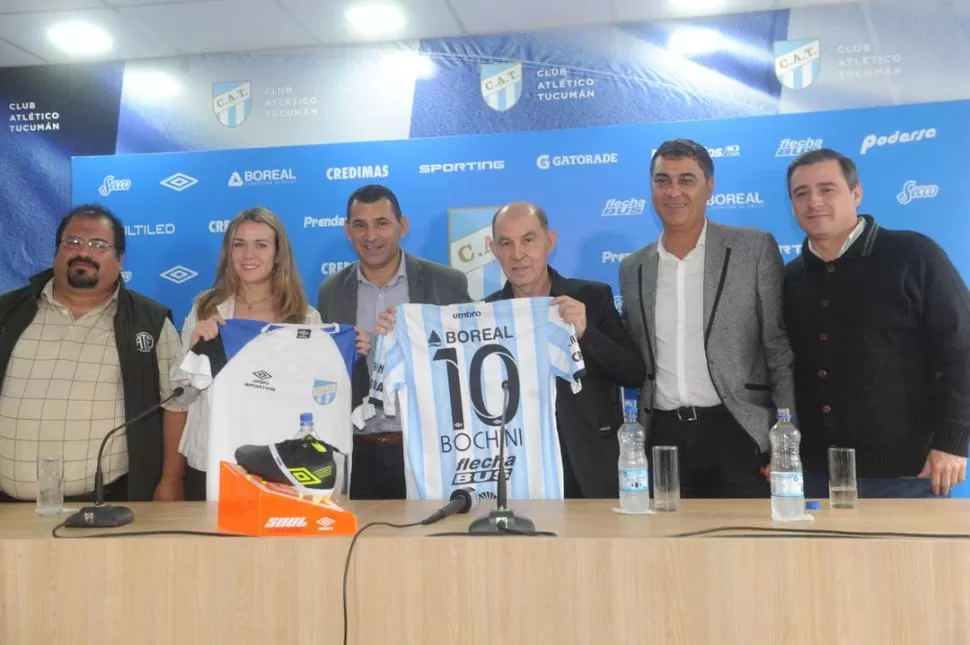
461,166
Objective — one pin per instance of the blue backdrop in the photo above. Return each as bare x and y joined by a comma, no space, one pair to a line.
593,182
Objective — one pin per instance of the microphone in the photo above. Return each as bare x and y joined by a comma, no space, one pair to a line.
502,521
463,500
501,493
189,394
104,515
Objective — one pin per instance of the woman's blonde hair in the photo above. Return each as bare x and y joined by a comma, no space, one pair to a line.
289,299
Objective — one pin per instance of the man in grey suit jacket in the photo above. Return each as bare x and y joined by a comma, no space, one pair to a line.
384,276
704,304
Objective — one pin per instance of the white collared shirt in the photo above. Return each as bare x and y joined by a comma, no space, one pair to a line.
683,378
853,236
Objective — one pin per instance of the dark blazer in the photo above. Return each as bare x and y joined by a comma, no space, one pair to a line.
428,284
588,420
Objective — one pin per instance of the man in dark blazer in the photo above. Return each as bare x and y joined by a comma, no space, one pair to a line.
587,421
384,276
704,304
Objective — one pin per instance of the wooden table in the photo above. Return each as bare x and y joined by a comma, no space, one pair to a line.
607,579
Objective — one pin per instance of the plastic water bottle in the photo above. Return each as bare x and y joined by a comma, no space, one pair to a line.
306,424
634,473
787,487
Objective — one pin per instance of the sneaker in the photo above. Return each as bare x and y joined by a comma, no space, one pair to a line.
305,462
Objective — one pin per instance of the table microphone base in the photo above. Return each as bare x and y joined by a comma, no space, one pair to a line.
503,522
100,517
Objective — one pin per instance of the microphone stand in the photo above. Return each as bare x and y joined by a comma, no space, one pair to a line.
502,521
103,515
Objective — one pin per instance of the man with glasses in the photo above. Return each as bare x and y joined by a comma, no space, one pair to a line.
79,355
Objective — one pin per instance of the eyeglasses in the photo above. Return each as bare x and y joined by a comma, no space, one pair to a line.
76,244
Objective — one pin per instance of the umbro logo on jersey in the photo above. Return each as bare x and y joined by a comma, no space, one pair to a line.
434,340
303,333
261,382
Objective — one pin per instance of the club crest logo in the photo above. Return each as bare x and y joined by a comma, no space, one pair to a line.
501,85
797,62
232,102
324,392
469,251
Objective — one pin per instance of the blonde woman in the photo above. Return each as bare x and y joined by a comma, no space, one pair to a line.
257,280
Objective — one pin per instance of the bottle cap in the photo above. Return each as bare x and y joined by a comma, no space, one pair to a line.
812,505
306,417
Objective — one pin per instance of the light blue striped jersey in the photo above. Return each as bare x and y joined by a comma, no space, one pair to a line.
449,364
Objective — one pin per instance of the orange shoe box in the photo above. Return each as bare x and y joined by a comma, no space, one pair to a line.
253,506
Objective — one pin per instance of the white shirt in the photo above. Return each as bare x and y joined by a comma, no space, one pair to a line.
683,378
853,236
195,437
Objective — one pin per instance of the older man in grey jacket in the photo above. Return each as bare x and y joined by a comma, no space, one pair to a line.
704,304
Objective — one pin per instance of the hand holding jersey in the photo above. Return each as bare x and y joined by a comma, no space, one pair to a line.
261,377
449,363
